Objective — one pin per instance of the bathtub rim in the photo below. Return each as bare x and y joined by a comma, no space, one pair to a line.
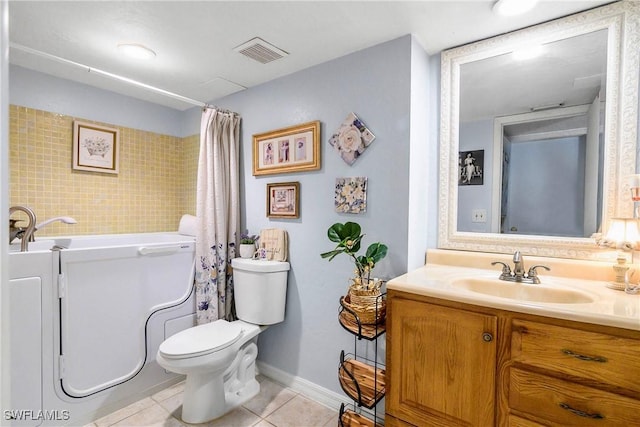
46,243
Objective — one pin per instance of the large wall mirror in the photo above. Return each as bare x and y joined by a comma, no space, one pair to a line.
538,132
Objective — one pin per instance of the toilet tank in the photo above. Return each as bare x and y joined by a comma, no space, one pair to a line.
260,289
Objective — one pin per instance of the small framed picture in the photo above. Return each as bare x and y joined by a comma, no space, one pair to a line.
283,200
470,167
292,149
95,148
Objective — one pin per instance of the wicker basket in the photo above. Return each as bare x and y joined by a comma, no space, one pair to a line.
368,305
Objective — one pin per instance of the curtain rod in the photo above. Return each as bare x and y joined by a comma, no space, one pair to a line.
113,76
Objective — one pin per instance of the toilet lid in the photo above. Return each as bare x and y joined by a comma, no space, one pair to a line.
201,340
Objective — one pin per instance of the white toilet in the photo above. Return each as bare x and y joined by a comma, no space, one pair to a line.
218,358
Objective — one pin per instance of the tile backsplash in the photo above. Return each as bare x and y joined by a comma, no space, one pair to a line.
155,186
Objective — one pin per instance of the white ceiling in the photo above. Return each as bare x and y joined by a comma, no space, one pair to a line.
194,41
568,72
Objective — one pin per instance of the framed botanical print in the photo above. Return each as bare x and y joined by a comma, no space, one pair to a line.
95,148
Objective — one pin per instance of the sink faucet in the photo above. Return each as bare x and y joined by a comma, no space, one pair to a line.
25,234
518,275
518,266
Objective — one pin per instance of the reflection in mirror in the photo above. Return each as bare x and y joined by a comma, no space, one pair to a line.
551,181
536,114
557,134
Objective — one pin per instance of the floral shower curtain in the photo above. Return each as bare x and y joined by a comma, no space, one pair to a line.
218,212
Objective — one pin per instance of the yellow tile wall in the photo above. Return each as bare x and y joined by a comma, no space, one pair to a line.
190,153
155,185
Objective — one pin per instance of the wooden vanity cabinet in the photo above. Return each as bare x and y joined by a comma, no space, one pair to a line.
442,364
573,376
453,364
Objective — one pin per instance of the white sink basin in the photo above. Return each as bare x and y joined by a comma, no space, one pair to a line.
523,291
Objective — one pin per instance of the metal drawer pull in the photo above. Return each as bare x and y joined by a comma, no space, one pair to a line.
581,413
598,359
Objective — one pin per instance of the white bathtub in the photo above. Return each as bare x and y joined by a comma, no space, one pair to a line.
87,318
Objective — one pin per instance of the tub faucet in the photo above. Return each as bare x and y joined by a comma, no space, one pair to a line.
24,233
518,275
63,219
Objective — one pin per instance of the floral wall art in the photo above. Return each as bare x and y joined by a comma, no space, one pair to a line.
351,138
95,148
351,195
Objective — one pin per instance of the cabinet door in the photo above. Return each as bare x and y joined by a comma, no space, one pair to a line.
442,364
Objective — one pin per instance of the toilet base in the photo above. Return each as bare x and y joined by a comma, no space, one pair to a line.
208,396
251,390
206,403
203,398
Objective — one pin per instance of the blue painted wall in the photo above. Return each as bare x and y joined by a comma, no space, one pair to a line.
33,89
476,135
375,84
394,89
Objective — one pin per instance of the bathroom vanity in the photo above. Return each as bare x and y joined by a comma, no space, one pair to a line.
457,356
467,349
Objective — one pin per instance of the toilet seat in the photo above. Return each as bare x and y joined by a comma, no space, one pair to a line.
201,340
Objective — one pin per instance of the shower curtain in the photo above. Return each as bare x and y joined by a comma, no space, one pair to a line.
218,212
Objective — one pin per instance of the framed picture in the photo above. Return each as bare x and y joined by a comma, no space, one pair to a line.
351,139
283,200
95,148
292,149
470,167
351,195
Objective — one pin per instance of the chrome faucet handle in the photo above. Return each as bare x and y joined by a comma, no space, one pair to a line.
506,270
533,273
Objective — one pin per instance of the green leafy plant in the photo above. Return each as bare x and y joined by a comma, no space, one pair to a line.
348,237
248,239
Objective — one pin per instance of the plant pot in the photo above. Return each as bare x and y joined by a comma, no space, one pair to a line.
247,250
369,304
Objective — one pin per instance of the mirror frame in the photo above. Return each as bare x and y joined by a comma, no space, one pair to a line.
621,121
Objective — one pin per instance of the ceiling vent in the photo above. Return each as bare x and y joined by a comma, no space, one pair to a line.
261,51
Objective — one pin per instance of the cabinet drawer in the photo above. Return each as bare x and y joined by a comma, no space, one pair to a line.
593,356
521,422
569,404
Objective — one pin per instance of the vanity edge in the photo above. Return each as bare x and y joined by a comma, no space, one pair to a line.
612,308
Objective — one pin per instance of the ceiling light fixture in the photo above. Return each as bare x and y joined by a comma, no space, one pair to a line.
136,50
527,52
513,7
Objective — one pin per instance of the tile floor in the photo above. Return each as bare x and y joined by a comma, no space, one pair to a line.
275,406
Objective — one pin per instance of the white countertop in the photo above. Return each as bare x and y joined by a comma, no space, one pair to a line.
610,307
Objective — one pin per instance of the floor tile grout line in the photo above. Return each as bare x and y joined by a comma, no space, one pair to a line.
262,418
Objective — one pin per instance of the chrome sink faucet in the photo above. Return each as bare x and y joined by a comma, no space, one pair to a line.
24,233
518,275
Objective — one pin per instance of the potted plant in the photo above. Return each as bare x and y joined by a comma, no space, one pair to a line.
247,244
364,292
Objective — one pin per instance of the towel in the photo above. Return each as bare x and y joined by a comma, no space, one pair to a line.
276,243
188,225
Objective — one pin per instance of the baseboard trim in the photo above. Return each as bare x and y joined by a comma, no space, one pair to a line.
311,390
